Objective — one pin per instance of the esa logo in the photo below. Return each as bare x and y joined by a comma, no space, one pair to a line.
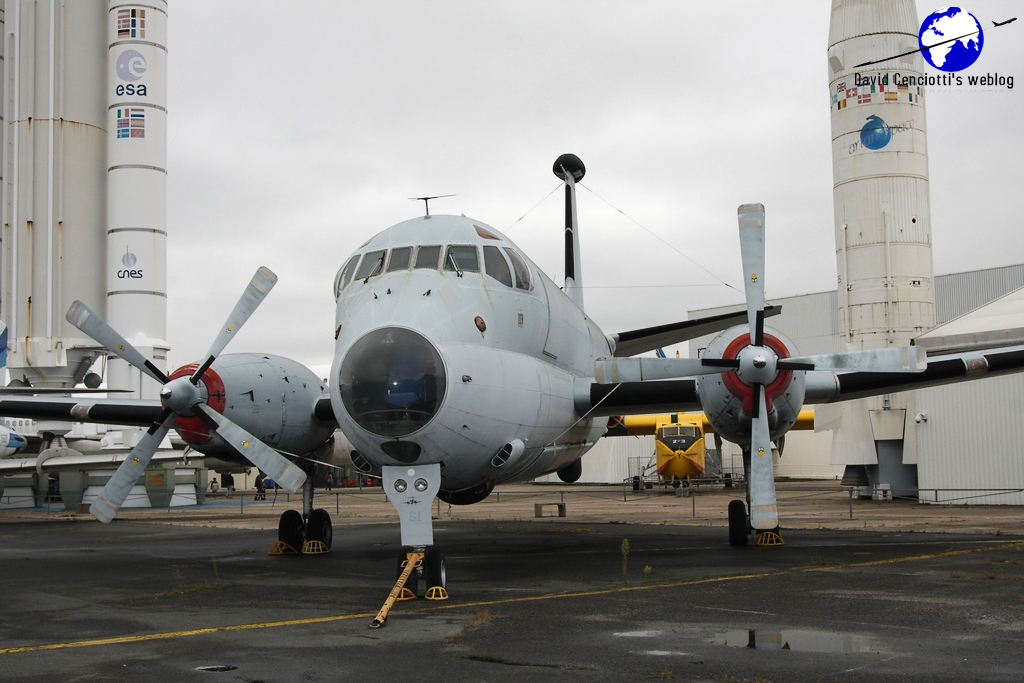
131,89
131,66
129,272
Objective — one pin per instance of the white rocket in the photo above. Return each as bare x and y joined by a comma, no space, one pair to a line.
880,173
84,183
882,220
54,154
136,263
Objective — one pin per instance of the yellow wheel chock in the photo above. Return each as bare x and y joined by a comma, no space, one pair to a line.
413,560
768,538
282,548
436,593
315,548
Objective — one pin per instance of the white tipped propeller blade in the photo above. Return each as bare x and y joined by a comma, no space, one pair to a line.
260,285
85,319
116,490
275,465
751,219
764,510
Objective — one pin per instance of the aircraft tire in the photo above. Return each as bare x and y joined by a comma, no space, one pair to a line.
435,572
290,529
413,584
738,535
320,528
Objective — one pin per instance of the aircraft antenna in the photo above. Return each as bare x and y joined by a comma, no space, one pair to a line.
426,201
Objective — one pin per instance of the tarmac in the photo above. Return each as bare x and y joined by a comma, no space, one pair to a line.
627,586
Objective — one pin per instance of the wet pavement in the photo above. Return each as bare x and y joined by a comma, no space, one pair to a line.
195,596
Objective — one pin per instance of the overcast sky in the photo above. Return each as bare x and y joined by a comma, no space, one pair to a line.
298,130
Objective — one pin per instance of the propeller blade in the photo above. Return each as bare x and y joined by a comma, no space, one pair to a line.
751,220
764,511
260,285
85,319
275,465
894,359
116,491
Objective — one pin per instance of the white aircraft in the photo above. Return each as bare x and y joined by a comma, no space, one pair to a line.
458,365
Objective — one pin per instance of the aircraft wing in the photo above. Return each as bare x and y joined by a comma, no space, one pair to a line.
828,387
633,342
58,463
640,398
131,412
823,386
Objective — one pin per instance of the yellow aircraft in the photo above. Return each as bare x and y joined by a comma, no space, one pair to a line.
680,446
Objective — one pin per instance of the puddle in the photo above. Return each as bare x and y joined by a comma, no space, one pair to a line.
801,641
217,668
637,634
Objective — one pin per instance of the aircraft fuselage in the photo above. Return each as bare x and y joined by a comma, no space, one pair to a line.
453,348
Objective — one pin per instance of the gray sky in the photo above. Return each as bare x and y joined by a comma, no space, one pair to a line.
298,130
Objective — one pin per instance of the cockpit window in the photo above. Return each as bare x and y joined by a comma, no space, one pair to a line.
496,266
462,258
346,275
426,257
373,264
399,258
523,278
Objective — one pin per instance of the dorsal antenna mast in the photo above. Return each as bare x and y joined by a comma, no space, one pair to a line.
426,201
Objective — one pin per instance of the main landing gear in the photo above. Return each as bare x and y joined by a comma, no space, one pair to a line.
739,521
308,532
412,490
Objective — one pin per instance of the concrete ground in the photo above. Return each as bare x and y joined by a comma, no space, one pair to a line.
627,586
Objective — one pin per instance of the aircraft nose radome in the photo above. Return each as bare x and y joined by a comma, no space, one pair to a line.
392,381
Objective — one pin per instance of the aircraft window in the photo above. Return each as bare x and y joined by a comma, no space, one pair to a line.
523,279
496,266
462,258
346,274
427,257
373,264
399,258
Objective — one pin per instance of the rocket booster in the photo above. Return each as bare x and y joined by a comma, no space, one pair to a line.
880,173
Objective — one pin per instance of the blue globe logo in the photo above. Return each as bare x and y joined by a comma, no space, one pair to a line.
875,134
951,39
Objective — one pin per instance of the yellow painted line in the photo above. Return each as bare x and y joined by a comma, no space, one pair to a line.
507,601
183,634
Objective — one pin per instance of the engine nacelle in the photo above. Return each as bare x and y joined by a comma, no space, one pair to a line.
727,400
271,397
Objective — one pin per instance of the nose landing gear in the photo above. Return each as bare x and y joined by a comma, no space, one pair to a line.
411,489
